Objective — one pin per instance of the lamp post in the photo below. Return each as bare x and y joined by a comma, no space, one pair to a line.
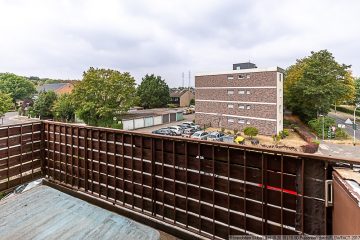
354,126
323,126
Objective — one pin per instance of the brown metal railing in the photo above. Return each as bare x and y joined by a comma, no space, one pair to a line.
209,188
20,154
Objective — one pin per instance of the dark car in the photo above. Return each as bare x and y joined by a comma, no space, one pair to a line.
164,131
254,141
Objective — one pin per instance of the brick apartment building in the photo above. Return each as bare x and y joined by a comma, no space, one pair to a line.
246,96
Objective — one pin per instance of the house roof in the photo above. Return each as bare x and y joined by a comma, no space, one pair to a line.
178,93
45,213
51,87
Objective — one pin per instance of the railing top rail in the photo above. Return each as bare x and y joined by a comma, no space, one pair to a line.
19,124
235,146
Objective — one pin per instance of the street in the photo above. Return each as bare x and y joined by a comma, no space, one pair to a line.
341,118
13,118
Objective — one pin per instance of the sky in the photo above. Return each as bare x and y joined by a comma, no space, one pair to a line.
62,38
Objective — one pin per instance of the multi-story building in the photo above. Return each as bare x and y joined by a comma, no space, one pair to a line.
240,98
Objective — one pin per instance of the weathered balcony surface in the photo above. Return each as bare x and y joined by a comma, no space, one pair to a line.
46,213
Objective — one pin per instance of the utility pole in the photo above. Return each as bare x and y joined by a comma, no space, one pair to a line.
354,126
189,80
183,78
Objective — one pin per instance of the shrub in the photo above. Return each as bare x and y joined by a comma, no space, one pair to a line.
251,131
276,138
228,132
236,131
284,133
287,123
340,134
317,124
222,130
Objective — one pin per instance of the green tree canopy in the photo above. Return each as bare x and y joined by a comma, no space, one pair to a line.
103,94
316,82
357,90
251,131
64,108
5,103
44,104
18,87
153,92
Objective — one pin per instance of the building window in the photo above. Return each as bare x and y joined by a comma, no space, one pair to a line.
243,76
241,106
230,92
230,106
230,120
248,107
280,77
248,92
241,121
241,92
248,76
230,77
247,122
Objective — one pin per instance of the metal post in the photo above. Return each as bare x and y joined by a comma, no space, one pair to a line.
354,126
323,128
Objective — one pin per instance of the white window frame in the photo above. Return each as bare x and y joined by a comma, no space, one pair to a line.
230,120
248,107
248,92
241,106
241,92
230,105
230,77
241,121
248,122
230,92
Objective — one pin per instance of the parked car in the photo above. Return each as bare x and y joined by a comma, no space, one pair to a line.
188,132
178,130
216,136
254,141
202,135
188,123
164,131
229,138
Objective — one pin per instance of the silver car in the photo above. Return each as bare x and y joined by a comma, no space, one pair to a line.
216,136
202,135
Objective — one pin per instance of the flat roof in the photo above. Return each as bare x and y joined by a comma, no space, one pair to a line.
251,70
46,213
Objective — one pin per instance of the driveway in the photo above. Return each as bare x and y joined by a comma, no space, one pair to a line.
187,118
341,118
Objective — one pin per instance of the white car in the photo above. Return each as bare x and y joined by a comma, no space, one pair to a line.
176,129
200,135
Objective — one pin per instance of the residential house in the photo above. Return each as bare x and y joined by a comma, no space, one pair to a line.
182,97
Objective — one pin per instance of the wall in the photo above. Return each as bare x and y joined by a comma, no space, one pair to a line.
346,210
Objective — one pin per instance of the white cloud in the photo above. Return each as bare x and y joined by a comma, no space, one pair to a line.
61,39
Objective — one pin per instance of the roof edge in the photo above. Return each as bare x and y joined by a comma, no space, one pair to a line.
251,70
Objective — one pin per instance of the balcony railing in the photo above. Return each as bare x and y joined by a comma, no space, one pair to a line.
206,188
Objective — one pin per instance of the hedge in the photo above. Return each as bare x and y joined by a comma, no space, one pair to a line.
346,110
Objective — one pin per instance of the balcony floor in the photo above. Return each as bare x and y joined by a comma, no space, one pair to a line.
46,213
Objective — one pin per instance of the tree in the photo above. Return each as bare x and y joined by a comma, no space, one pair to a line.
192,101
251,131
44,104
18,87
153,92
64,108
102,95
314,83
357,90
6,103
